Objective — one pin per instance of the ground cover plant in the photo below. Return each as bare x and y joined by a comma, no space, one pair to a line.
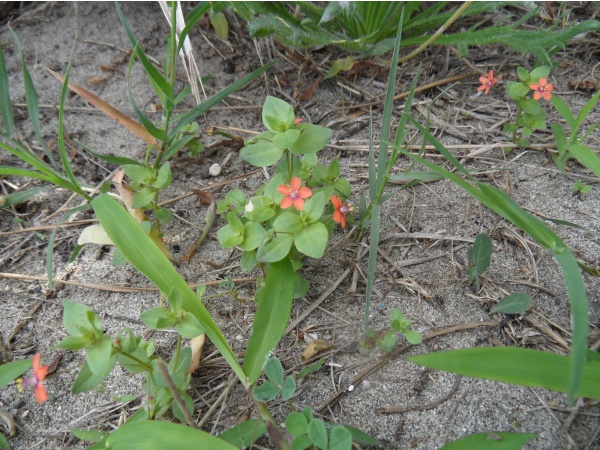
282,227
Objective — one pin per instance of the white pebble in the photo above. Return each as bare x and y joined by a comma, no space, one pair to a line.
214,170
350,388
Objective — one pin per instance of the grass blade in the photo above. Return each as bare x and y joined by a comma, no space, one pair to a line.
138,248
20,196
372,266
31,99
216,98
272,315
64,158
520,366
5,103
493,440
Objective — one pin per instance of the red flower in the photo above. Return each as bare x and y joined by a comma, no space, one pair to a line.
542,89
36,381
340,210
294,194
487,82
297,121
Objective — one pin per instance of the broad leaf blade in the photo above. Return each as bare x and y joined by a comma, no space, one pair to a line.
12,370
140,251
494,440
271,318
155,435
518,366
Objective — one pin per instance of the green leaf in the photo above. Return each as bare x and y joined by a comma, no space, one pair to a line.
5,103
317,433
74,342
286,139
277,115
340,64
388,342
75,319
288,388
10,371
313,208
220,24
245,433
164,178
312,240
358,436
340,439
86,380
189,327
158,318
493,440
564,111
540,72
143,198
3,442
274,371
271,318
99,357
312,138
261,154
513,304
314,367
586,157
159,435
229,238
413,337
523,74
20,196
140,251
519,366
88,435
560,137
139,174
585,111
479,256
266,391
516,91
288,223
248,261
274,249
253,236
296,423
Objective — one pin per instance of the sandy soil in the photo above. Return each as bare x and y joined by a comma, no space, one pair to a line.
424,276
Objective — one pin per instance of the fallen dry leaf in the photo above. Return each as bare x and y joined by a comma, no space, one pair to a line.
315,346
196,345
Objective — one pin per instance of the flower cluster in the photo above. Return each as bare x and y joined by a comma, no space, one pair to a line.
542,88
36,381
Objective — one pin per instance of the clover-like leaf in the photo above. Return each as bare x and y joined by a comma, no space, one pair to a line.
312,240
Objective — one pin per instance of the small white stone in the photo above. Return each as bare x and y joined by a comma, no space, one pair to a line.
214,170
249,207
350,388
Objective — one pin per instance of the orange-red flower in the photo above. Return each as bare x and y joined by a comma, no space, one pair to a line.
340,210
36,381
542,89
297,121
487,82
294,194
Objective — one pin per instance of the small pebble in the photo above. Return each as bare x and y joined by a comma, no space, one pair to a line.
350,388
366,384
214,170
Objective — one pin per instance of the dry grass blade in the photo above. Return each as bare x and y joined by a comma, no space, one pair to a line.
110,111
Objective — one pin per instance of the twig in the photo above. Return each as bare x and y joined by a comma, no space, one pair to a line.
405,408
210,221
382,361
317,302
111,288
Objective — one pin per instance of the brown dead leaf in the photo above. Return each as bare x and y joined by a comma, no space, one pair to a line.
205,197
110,111
196,345
309,92
315,346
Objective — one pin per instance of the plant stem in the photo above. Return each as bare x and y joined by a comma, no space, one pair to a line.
176,395
279,439
288,158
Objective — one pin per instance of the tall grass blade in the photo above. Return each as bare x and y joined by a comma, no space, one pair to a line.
31,98
496,440
213,100
138,248
502,204
165,89
387,110
64,157
374,244
5,103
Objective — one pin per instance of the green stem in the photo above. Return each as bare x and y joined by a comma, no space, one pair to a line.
275,432
288,157
518,121
132,357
